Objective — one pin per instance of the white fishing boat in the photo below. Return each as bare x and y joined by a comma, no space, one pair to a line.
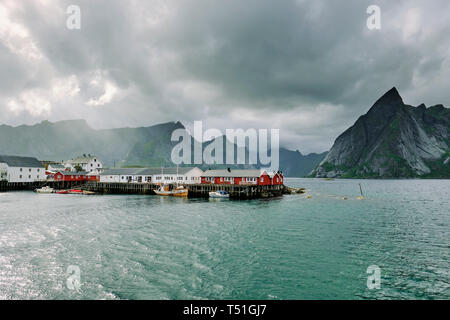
45,189
220,194
179,191
163,190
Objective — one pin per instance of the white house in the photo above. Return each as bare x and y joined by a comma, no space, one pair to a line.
182,175
21,169
185,175
88,163
55,167
120,175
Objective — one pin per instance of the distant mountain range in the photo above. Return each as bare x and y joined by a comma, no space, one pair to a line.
122,147
392,140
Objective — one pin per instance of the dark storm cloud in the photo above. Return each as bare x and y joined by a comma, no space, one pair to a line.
307,67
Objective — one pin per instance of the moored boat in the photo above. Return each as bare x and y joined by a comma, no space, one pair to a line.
220,194
45,189
180,192
163,190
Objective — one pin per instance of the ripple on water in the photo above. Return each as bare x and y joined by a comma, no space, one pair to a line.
145,247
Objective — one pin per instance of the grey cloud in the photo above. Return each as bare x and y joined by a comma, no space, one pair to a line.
231,63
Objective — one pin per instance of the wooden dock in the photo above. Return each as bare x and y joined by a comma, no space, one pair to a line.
195,190
17,186
30,186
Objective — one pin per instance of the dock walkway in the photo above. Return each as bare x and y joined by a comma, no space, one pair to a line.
195,190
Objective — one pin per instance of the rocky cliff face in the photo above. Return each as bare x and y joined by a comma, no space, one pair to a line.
392,140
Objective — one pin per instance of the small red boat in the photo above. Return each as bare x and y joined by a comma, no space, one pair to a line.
76,191
62,192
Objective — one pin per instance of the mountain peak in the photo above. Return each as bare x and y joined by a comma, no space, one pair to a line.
391,140
388,104
392,96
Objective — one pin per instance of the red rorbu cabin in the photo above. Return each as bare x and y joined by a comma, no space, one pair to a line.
241,177
277,178
74,176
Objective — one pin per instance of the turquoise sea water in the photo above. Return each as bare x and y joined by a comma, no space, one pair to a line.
149,247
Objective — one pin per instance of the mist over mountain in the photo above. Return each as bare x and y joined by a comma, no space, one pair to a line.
144,146
392,140
295,164
66,139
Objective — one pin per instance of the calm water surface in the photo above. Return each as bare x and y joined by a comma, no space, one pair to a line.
149,247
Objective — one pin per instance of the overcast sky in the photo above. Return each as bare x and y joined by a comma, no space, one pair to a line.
309,68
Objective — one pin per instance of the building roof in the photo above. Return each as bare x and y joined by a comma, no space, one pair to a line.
272,173
181,170
232,173
73,173
146,171
120,171
83,159
16,161
149,171
57,166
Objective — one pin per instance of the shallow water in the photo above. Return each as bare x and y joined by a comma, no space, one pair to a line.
150,247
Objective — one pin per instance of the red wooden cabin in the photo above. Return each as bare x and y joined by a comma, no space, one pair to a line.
241,177
74,176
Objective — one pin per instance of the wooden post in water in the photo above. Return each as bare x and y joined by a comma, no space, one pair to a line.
361,197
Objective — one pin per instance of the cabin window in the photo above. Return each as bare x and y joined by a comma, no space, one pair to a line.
21,171
29,170
29,177
20,177
262,179
38,176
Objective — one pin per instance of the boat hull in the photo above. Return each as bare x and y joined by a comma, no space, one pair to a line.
180,193
217,195
163,192
45,190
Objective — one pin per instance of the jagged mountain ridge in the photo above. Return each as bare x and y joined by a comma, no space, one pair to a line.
144,146
392,140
